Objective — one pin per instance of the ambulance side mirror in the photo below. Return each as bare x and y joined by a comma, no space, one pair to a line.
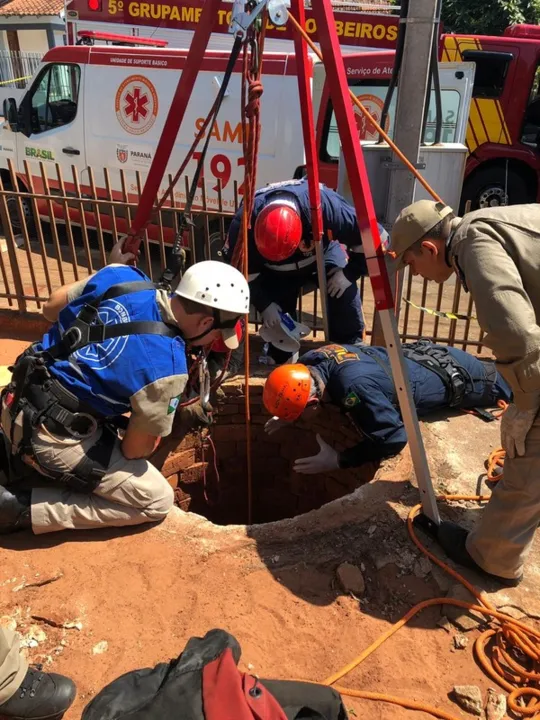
10,114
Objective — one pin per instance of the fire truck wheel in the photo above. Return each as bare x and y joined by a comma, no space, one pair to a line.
493,187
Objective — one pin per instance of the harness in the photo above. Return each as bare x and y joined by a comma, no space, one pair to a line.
454,377
44,401
440,361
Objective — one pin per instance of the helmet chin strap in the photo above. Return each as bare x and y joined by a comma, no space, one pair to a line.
218,324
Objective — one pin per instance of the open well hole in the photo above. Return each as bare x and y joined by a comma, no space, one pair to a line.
278,492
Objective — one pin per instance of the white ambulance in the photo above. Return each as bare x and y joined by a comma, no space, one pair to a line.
97,112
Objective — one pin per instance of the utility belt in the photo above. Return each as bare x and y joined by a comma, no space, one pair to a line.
291,267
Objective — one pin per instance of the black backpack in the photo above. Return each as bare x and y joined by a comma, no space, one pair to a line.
204,683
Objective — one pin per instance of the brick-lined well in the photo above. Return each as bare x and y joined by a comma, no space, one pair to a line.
278,492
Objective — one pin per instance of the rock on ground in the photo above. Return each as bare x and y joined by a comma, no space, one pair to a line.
351,579
496,705
463,619
469,697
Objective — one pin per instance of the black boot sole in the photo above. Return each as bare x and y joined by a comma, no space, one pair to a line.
422,522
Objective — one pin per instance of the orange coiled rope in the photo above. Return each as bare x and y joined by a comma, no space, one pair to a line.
508,652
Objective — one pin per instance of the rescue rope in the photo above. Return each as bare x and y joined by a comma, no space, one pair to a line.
368,115
252,90
208,501
509,654
494,462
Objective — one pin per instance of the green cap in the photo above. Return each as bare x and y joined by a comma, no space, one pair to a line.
413,223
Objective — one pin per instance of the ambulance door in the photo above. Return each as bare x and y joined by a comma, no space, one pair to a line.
52,112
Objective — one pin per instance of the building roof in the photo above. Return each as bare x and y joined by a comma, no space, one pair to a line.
31,7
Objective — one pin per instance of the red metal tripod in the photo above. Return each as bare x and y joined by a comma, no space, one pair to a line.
359,183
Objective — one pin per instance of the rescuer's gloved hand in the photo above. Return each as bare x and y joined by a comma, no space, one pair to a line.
337,283
118,256
515,426
326,460
193,416
271,316
274,424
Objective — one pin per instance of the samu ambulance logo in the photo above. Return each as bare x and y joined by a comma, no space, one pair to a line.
103,355
136,105
366,129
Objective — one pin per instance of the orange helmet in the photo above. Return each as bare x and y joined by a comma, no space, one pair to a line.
278,230
287,390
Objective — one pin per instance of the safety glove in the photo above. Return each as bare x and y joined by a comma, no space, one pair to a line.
274,424
325,461
271,316
337,283
515,426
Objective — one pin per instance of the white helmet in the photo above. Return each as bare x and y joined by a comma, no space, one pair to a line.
220,287
286,335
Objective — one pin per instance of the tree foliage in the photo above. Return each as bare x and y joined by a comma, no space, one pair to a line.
488,17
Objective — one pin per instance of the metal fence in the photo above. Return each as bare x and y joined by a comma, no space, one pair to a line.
59,231
17,67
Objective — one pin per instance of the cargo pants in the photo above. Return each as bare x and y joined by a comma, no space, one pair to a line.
503,538
13,666
132,492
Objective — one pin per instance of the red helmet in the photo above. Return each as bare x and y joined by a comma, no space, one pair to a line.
278,230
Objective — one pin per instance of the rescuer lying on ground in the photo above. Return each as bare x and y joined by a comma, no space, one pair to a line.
57,412
27,693
496,255
359,381
282,257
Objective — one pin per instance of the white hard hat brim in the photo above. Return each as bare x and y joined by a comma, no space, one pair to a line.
230,338
283,338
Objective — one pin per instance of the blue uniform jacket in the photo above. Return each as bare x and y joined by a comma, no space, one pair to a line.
360,383
107,376
339,222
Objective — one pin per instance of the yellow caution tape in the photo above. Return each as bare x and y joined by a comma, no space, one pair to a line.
8,82
440,313
5,376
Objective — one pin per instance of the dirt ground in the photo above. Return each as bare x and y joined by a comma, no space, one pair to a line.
94,605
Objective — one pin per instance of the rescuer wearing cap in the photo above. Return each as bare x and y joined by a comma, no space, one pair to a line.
117,345
358,380
496,255
282,256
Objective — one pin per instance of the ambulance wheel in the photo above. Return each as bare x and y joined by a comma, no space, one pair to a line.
495,187
14,216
